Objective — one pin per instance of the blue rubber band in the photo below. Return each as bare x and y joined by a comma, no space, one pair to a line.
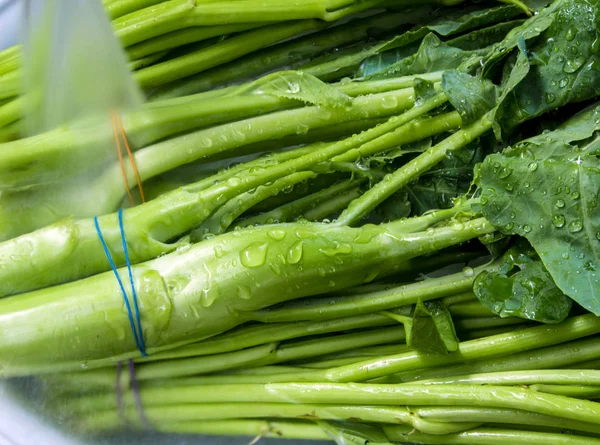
138,337
133,292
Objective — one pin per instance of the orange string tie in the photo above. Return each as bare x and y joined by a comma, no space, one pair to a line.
117,125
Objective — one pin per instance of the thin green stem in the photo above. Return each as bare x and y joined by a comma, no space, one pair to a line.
219,53
108,420
360,394
499,416
222,219
552,357
254,428
412,170
253,335
331,206
494,346
323,308
528,377
576,391
294,209
288,55
490,436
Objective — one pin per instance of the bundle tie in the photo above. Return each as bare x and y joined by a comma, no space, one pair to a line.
138,334
118,124
136,394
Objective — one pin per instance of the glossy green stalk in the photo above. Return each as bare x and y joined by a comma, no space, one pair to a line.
412,170
487,347
178,14
527,377
65,197
202,290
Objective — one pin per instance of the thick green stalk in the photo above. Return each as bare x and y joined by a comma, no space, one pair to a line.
490,436
66,198
178,14
119,8
325,308
558,356
190,295
167,155
78,241
499,416
412,170
494,346
219,53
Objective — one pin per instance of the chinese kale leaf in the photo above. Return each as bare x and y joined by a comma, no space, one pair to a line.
547,189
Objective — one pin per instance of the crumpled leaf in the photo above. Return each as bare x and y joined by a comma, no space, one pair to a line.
298,86
522,288
547,189
432,329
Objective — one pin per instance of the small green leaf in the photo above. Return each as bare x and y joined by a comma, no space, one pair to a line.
431,330
471,96
299,86
522,288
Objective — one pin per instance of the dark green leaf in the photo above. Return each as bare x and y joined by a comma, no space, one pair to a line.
484,37
431,329
563,64
433,55
443,323
546,189
471,96
522,288
455,21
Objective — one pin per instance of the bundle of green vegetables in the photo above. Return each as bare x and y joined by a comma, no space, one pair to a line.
363,221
